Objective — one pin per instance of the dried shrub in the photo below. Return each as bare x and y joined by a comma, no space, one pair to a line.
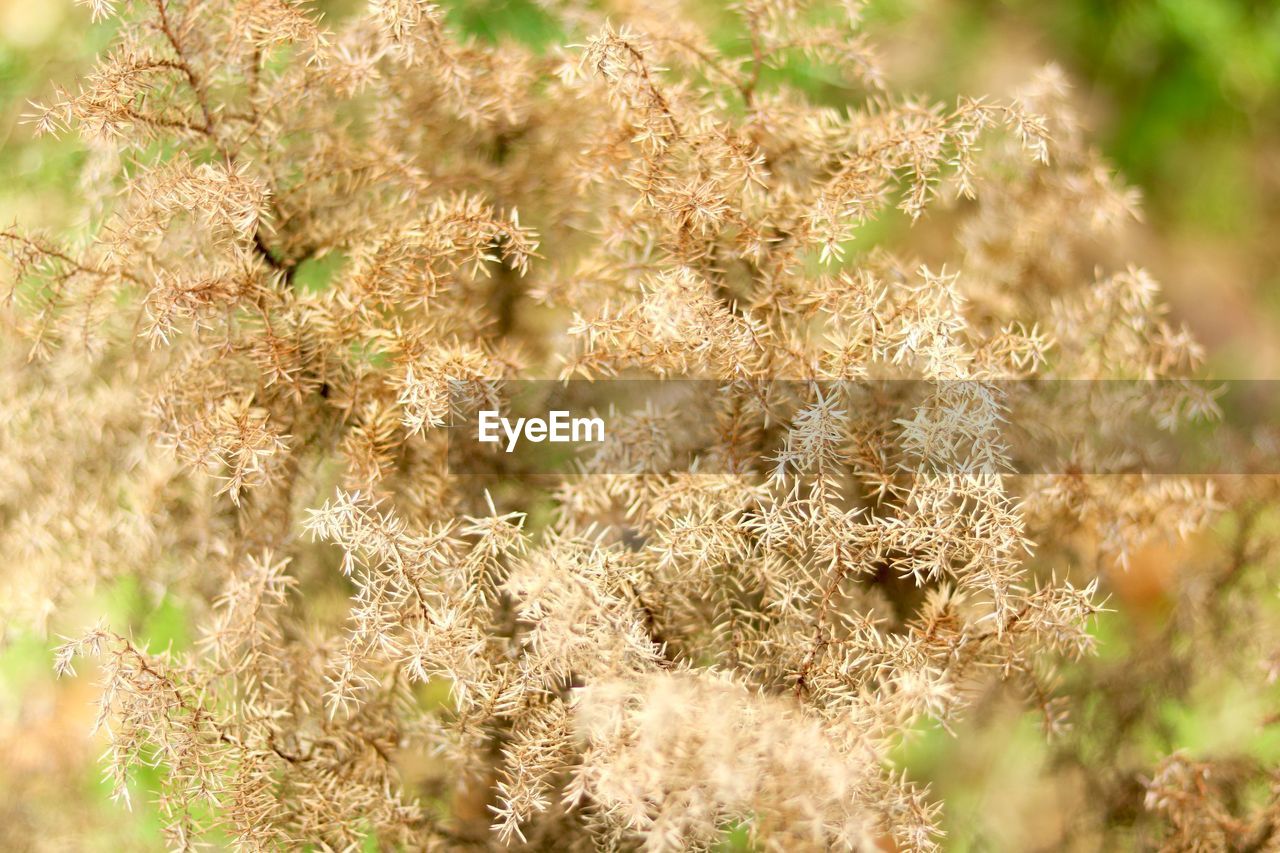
657,657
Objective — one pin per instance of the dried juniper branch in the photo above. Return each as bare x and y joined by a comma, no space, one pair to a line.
660,655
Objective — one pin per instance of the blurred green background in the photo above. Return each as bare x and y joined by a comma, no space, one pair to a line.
1183,97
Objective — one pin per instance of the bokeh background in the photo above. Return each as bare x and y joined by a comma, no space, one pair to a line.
1183,96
